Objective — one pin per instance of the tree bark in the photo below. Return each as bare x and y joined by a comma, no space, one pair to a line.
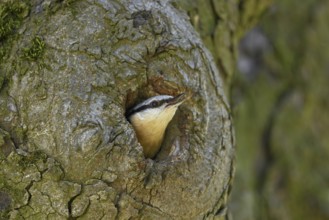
221,24
69,70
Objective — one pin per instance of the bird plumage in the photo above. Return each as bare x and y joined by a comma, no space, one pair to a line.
151,118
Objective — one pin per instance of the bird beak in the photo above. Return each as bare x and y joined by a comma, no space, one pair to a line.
177,100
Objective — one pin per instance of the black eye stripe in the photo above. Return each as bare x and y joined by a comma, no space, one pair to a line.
153,104
156,104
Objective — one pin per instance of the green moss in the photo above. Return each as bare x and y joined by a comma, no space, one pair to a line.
11,15
68,2
32,158
4,215
35,50
55,6
2,77
8,20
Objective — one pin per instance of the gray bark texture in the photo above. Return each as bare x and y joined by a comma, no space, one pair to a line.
68,72
221,24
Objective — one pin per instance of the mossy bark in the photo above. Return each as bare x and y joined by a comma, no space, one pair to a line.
70,69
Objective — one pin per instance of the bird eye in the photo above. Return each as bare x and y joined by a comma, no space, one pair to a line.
154,104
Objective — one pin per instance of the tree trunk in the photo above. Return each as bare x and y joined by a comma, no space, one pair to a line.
69,70
221,24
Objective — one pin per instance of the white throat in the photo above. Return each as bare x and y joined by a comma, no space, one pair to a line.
150,126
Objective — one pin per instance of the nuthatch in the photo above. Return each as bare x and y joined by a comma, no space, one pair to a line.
150,119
